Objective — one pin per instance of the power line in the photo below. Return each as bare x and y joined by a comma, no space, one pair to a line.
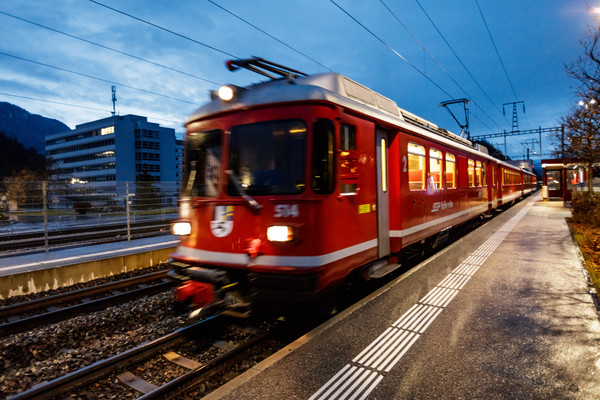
164,29
391,49
496,49
498,54
441,67
107,48
459,60
53,102
269,35
96,78
77,106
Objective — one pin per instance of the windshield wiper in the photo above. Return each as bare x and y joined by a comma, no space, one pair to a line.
242,192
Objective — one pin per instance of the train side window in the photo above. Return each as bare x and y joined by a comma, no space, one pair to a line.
347,149
323,174
471,172
450,171
416,167
478,181
435,168
484,174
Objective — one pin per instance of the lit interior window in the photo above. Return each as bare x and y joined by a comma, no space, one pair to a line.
107,130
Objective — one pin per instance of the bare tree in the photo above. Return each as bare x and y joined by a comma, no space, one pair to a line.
581,139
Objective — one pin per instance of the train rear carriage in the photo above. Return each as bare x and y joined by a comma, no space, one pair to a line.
294,184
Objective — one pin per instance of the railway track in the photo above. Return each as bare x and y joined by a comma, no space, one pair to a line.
24,316
68,236
209,331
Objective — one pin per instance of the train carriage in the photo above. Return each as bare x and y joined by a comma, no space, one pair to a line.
296,183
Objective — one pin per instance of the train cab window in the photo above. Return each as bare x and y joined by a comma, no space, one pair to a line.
202,164
435,169
416,167
471,172
268,158
323,157
450,171
347,146
478,181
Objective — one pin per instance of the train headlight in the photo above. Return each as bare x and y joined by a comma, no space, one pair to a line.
181,228
278,233
226,93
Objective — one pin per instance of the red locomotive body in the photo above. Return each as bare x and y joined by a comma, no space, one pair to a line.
294,184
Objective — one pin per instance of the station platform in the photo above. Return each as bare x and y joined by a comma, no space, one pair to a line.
503,313
33,272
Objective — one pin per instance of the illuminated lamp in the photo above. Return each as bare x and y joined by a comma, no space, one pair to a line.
278,233
181,228
226,93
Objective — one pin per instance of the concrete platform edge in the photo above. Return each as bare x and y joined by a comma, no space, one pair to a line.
289,349
34,281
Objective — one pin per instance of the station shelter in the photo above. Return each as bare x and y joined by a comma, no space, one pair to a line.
561,177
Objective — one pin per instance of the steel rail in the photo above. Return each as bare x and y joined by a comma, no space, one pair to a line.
101,369
24,324
192,379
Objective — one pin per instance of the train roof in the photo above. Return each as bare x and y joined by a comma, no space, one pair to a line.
338,89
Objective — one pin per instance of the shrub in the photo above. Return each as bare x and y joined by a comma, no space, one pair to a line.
586,208
82,207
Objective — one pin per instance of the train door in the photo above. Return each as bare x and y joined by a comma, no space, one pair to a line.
383,212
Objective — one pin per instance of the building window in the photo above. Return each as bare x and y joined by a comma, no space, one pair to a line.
416,167
450,171
435,169
107,130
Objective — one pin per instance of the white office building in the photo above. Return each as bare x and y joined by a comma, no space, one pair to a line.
101,155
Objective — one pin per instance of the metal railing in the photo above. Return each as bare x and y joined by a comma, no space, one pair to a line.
47,214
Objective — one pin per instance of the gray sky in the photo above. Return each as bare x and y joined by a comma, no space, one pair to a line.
390,46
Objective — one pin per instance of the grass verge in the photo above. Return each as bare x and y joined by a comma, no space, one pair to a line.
588,239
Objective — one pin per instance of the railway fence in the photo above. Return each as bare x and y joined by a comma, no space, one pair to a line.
48,214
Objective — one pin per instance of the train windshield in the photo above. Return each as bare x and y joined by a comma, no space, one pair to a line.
268,157
202,164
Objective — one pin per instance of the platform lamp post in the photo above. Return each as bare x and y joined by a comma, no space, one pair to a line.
589,115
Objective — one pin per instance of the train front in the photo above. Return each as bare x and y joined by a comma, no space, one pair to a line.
251,203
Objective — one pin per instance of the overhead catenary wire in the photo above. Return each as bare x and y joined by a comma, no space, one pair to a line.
108,48
459,59
392,49
399,55
165,29
498,54
269,35
96,78
441,67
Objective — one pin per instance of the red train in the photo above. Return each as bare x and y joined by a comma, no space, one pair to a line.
295,184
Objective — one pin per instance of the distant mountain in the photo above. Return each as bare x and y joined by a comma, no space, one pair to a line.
14,157
29,129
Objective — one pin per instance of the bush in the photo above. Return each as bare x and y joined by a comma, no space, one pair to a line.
586,208
82,207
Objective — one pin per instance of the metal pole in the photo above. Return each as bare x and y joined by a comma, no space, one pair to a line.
505,152
45,205
127,210
562,142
